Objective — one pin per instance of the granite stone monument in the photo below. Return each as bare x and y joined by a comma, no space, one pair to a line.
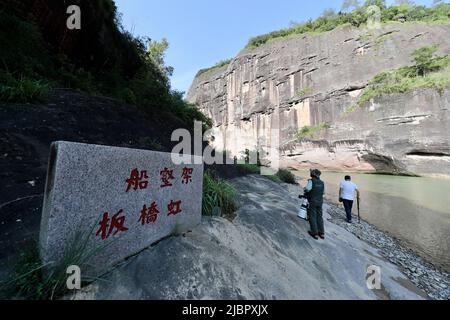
120,200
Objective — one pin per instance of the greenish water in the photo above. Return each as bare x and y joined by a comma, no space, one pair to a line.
415,210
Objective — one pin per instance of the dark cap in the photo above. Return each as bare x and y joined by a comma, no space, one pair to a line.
316,173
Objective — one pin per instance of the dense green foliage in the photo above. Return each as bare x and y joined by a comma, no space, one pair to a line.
427,72
249,168
217,194
424,60
331,20
286,176
100,58
219,64
282,175
22,89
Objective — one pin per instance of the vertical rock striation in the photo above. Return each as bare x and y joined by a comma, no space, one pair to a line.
312,80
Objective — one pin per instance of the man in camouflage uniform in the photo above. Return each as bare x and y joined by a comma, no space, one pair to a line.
315,191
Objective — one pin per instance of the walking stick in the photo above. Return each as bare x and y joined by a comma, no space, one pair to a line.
359,217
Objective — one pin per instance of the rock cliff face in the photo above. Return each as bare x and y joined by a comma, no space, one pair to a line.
310,80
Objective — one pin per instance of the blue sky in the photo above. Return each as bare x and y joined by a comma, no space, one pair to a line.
203,32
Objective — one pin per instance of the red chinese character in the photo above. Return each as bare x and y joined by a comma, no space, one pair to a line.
137,180
149,216
116,223
166,176
187,175
174,208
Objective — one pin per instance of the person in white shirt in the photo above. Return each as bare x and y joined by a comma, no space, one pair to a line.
347,191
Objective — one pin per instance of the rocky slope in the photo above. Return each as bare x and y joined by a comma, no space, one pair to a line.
309,80
265,253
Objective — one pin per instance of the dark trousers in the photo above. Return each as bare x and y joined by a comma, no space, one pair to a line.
316,219
348,205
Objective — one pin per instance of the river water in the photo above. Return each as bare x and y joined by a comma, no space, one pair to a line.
414,210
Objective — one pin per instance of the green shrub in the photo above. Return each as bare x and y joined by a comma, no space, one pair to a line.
217,194
26,279
309,131
22,47
304,91
22,89
219,64
189,113
423,59
127,95
435,75
151,143
29,281
274,178
286,176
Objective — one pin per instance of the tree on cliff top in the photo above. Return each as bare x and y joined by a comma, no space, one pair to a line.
156,54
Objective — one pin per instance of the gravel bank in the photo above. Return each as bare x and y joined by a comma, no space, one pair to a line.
434,281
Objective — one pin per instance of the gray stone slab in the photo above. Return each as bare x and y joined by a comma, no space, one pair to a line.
91,192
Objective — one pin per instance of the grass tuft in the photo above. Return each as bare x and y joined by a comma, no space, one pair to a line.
249,168
217,194
22,89
33,280
286,176
219,64
309,131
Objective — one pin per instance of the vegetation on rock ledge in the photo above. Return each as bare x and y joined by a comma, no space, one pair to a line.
217,195
428,71
331,20
219,64
308,131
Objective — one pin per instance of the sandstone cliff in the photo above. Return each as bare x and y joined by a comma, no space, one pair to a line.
311,80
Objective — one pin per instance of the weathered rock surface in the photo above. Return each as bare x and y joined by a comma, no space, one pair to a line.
265,253
115,198
309,80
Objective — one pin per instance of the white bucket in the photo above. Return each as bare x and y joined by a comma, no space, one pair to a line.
303,211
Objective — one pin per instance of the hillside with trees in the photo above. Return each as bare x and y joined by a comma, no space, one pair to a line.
100,58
